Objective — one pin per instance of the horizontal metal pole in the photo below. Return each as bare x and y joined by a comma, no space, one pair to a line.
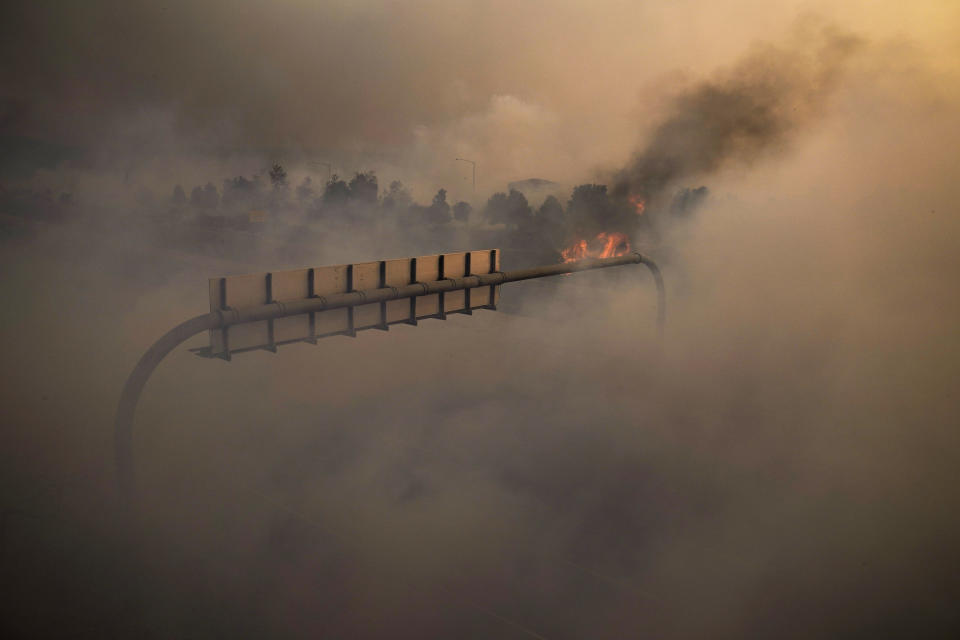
354,298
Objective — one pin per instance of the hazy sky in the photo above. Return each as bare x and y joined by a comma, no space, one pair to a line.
558,89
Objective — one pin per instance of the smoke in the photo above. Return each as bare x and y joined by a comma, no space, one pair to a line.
740,115
783,465
168,88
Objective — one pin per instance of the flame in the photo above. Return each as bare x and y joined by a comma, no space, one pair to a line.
639,204
605,245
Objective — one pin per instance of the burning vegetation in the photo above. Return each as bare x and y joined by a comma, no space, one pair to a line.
605,245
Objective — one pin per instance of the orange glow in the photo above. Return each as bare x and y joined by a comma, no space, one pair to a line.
605,245
639,204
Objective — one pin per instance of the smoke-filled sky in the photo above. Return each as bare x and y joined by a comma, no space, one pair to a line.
784,464
531,89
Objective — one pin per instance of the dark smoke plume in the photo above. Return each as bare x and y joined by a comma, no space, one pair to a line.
746,112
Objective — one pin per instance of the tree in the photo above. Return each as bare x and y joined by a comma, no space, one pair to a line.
364,188
495,210
510,209
551,221
439,211
179,197
210,196
336,193
551,211
241,191
205,197
462,211
397,198
278,177
590,210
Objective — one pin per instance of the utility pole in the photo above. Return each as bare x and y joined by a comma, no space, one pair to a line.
325,164
474,176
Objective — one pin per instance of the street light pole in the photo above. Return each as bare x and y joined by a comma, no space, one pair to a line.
474,175
327,165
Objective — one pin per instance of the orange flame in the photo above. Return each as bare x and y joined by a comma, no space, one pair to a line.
639,204
605,245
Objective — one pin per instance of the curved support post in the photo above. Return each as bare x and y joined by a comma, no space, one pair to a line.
123,423
661,293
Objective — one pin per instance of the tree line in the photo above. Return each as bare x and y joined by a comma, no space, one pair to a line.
357,201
